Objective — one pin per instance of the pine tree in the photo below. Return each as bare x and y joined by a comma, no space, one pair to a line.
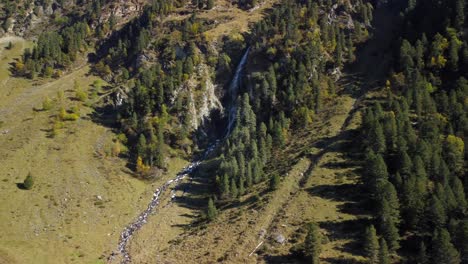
371,245
241,186
453,54
436,213
388,213
313,243
459,193
422,255
211,211
443,251
384,257
405,164
274,181
461,240
225,187
234,190
141,147
378,138
459,20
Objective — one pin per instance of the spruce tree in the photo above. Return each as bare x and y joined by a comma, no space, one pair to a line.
384,257
443,251
274,181
389,215
422,257
436,213
313,243
461,240
234,190
211,211
371,245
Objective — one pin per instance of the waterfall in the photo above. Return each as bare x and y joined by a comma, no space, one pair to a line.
234,90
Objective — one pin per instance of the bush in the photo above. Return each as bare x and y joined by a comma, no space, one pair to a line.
116,149
48,71
47,104
81,95
28,182
64,116
56,126
71,117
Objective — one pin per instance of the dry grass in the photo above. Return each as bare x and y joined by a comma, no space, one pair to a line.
241,227
60,220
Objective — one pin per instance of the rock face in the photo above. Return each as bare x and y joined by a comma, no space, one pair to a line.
122,9
204,100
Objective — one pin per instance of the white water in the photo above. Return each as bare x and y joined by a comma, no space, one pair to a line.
234,90
137,224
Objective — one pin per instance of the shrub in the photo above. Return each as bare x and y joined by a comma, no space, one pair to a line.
47,104
64,116
48,71
71,117
28,182
116,149
81,95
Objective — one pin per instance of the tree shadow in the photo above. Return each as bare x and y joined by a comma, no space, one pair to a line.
347,230
21,186
284,259
343,260
341,193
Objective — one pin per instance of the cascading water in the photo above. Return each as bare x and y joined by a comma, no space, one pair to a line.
234,90
136,225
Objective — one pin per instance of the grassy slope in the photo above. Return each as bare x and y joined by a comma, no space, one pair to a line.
321,184
58,221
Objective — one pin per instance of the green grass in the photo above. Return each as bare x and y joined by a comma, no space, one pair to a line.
59,214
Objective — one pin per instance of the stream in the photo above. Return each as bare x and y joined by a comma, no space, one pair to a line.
142,218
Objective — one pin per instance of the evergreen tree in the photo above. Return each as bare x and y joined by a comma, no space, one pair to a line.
422,257
461,241
388,213
211,211
274,181
443,251
384,257
234,190
313,243
371,245
142,146
459,19
436,213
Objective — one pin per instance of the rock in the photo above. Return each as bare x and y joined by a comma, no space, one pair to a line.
262,233
280,239
99,197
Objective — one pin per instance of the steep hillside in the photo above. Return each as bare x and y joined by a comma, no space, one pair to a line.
245,131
